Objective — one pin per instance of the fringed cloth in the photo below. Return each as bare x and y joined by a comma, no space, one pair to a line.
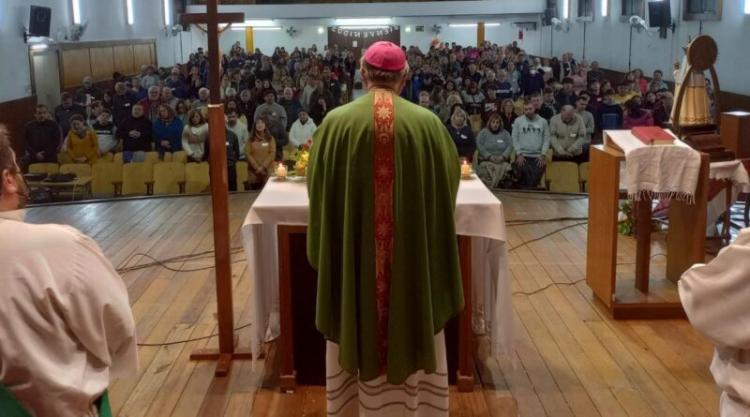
661,172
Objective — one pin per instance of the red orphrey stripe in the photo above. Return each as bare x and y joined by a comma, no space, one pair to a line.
384,167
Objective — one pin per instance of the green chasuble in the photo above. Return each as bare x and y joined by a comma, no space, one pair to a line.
425,288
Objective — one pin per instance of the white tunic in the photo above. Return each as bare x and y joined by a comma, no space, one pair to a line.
66,328
300,133
422,395
716,298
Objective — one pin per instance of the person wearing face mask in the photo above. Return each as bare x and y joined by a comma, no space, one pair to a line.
81,144
54,359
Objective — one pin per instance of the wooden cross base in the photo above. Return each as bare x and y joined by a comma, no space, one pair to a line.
223,360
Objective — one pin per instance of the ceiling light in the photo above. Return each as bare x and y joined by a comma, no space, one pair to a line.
129,10
76,11
321,30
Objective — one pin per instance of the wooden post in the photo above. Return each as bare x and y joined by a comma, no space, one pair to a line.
480,33
219,196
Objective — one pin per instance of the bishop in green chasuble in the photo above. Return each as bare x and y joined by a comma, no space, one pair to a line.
382,181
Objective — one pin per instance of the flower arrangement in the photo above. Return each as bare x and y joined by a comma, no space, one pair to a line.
301,158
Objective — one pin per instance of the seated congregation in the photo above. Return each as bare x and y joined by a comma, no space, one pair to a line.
523,122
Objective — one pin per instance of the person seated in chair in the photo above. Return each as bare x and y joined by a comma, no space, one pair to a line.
41,139
105,131
135,134
81,144
66,326
195,136
531,141
568,136
494,146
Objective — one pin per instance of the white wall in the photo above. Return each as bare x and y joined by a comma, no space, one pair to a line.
106,21
607,41
307,33
443,8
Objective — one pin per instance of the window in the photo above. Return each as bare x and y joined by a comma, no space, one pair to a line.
633,7
702,9
747,6
586,10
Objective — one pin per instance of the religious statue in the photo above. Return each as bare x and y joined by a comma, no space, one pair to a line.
692,106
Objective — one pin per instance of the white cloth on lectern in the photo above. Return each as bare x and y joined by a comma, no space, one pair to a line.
422,395
657,171
716,297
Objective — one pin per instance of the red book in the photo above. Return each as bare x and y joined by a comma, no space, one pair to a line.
652,135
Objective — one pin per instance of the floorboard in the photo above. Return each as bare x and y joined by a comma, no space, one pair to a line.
571,359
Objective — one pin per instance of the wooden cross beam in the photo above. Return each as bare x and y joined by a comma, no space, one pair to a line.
219,194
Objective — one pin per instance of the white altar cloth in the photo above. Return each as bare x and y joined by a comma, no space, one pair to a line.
479,214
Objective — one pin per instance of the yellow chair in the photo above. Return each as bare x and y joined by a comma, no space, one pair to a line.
137,178
563,177
118,158
106,178
152,157
583,175
241,168
167,157
196,177
169,178
179,156
44,168
109,156
81,170
64,158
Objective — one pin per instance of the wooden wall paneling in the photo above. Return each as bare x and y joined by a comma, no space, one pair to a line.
15,114
102,63
76,65
142,55
124,59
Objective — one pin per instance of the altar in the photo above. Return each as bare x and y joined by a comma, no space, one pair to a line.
281,209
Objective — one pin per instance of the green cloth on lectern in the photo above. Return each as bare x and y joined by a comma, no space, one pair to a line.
425,289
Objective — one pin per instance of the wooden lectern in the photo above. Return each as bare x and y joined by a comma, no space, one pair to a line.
685,239
302,347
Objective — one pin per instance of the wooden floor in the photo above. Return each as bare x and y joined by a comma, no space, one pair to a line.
571,359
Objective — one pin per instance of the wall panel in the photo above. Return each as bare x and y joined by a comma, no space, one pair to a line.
76,64
102,63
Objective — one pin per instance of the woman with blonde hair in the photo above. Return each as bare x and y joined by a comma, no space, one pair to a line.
508,114
451,100
494,146
261,153
461,133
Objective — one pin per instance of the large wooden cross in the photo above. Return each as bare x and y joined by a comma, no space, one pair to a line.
219,194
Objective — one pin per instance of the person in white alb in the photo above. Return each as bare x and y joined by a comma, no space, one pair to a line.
716,298
66,327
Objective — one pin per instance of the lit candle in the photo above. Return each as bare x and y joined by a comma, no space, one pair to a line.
281,171
465,169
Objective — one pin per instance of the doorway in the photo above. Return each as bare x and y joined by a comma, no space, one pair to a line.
45,72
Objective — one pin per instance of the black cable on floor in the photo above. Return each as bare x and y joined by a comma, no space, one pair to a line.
546,235
547,286
177,342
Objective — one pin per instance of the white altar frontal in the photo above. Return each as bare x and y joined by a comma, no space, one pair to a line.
479,215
